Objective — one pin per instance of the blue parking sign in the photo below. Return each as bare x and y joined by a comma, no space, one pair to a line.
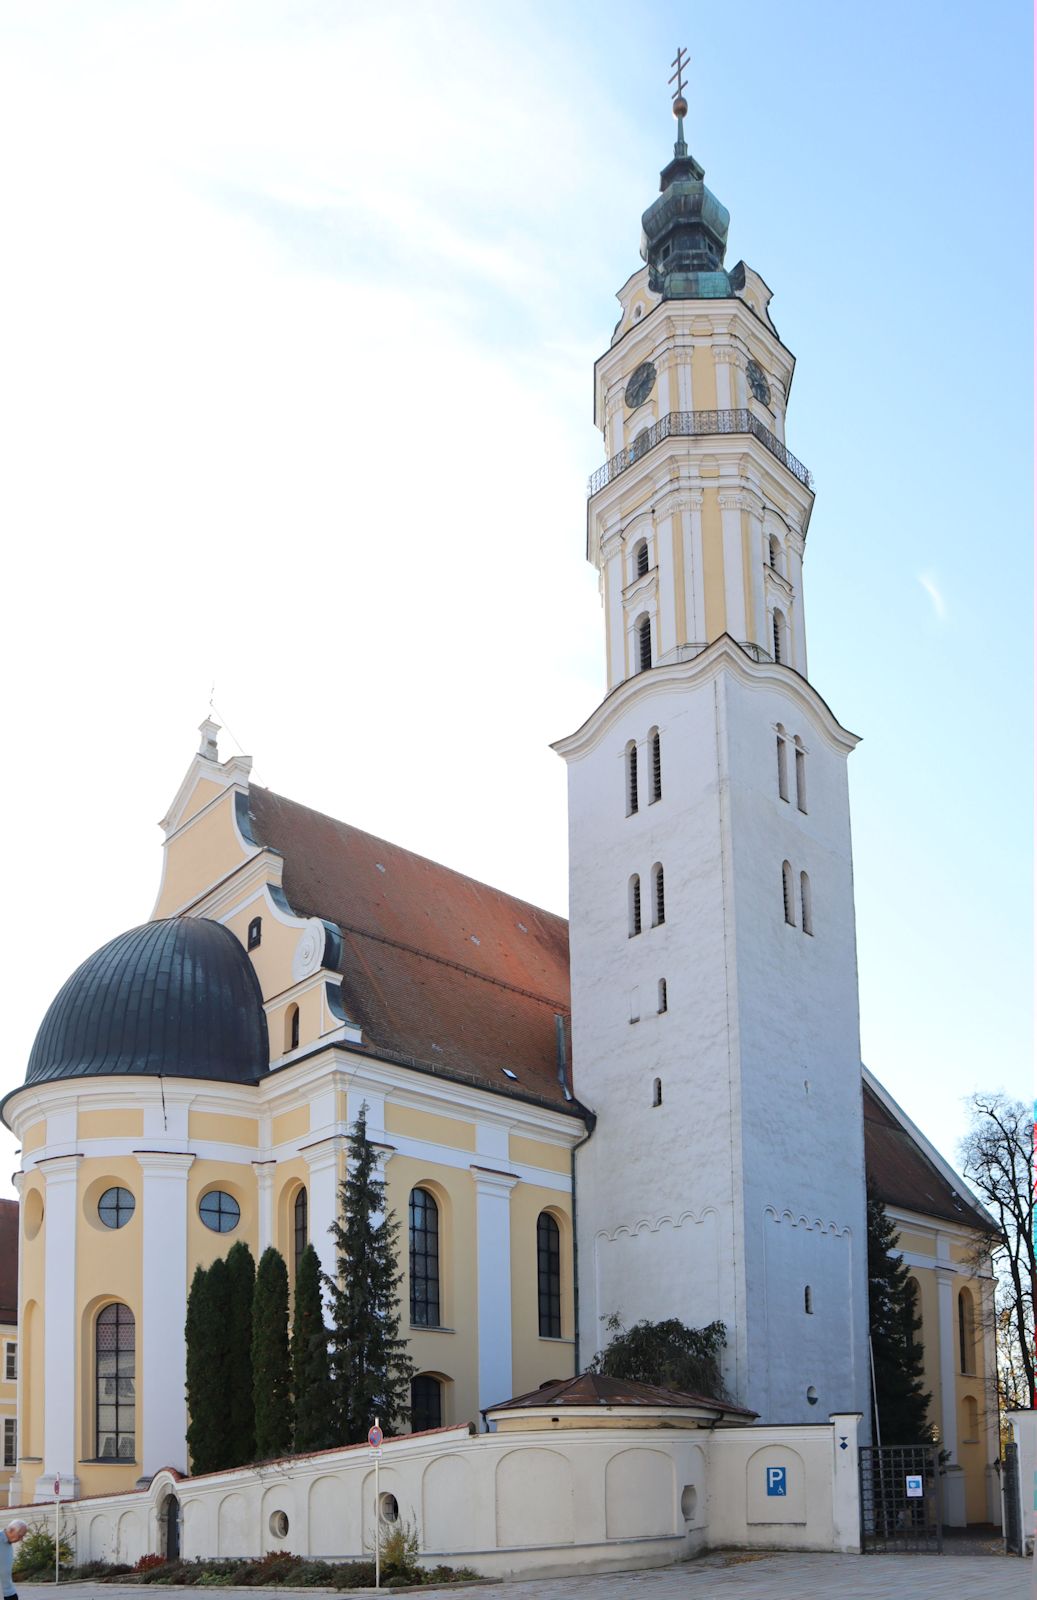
776,1480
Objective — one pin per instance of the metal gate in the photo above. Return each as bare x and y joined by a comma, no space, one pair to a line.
1013,1507
901,1498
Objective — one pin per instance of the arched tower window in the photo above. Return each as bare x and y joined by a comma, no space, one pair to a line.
655,762
788,894
426,1403
644,644
300,1227
966,1330
805,903
549,1276
424,1259
657,1092
774,553
291,1029
631,778
780,632
783,765
658,896
115,1365
663,1004
801,777
634,905
641,559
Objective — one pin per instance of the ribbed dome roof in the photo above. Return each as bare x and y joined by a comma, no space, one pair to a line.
178,997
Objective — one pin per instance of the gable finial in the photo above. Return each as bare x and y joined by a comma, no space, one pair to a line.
680,104
208,746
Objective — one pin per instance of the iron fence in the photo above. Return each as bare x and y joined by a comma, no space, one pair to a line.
694,425
901,1498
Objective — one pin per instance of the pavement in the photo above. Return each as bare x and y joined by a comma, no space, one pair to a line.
716,1577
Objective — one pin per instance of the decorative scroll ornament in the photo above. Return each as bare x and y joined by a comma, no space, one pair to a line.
309,952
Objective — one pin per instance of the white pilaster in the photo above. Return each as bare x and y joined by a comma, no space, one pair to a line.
666,613
493,1259
59,1327
264,1171
946,1282
323,1160
734,588
161,1353
798,631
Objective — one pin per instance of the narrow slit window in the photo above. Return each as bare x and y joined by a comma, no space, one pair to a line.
787,894
631,778
783,769
658,897
635,905
644,644
657,1092
801,779
806,905
641,559
662,1006
808,1301
291,1029
778,625
656,760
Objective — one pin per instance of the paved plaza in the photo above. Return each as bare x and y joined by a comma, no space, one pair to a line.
780,1577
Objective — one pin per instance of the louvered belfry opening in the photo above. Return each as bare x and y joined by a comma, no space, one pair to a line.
660,897
642,558
657,766
635,905
644,644
631,780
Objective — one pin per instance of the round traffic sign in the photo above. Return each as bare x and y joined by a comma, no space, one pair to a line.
374,1437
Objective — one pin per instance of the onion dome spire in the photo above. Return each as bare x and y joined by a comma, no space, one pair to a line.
684,235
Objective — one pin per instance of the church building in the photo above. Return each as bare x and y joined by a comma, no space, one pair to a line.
655,1110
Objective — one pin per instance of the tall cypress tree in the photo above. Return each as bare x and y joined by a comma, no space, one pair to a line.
370,1369
311,1369
897,1353
240,1445
205,1334
271,1375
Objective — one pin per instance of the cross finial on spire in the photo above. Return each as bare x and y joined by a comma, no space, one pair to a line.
680,105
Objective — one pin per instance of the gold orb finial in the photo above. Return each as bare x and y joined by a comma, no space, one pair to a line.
680,106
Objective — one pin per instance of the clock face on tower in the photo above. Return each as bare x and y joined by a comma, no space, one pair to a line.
758,383
640,386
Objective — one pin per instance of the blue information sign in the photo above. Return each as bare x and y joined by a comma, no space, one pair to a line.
777,1480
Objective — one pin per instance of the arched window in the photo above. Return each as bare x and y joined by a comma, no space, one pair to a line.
655,761
115,1384
662,1006
778,628
631,778
806,906
300,1226
634,904
971,1420
658,896
801,777
426,1403
657,1092
291,1029
641,559
549,1276
783,767
966,1330
787,894
644,644
774,552
424,1259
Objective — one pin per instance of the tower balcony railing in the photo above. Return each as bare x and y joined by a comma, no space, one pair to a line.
697,425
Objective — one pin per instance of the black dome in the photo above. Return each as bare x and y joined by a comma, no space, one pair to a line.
178,997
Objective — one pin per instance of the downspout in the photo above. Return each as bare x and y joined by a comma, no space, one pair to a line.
590,1119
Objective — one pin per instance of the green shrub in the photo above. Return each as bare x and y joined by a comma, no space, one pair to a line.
35,1553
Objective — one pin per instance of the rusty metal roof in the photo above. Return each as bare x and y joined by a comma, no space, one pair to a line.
902,1174
594,1389
437,968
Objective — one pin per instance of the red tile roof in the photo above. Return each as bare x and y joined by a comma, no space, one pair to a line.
436,967
595,1389
9,1262
903,1175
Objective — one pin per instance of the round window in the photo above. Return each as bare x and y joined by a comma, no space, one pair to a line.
279,1524
219,1211
116,1207
811,1396
389,1508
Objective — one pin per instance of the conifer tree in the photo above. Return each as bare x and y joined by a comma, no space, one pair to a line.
897,1353
240,1443
271,1374
205,1334
311,1370
369,1365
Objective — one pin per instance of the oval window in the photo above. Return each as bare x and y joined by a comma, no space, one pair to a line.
219,1211
116,1207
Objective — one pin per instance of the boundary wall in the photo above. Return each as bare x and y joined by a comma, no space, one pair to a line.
548,1501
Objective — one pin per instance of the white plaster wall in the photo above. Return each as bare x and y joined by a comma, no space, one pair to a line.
550,1501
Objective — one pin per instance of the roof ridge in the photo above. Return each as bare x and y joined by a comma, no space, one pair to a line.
458,966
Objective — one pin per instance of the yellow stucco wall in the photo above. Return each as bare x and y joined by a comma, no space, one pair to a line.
430,1127
109,1267
200,856
536,1360
713,565
35,1137
217,1128
290,1125
535,1153
119,1122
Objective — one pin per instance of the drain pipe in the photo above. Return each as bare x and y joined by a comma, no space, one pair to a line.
590,1119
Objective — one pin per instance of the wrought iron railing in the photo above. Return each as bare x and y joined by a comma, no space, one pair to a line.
694,425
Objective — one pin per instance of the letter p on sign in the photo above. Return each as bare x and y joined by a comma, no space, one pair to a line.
776,1480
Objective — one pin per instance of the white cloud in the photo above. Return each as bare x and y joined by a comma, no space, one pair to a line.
932,589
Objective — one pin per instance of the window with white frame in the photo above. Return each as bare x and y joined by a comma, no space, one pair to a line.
779,630
10,1442
655,763
641,558
801,775
783,765
10,1362
631,778
634,905
658,896
644,644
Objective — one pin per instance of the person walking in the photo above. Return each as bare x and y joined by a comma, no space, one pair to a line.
9,1537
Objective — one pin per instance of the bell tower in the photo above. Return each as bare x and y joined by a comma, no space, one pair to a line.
714,978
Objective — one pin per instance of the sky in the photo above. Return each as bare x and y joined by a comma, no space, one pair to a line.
301,303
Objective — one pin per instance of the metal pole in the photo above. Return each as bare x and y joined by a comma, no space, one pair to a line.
377,1522
57,1528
